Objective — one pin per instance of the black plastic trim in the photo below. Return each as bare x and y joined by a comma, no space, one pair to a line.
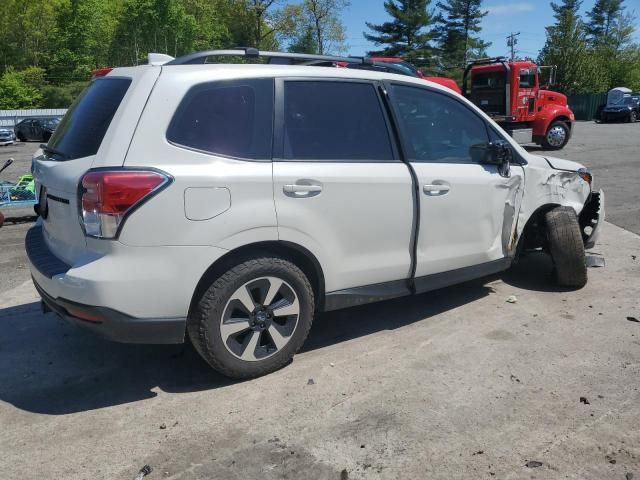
42,259
352,297
57,199
460,275
118,326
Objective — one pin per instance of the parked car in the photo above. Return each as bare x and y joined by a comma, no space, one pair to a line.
628,110
36,129
232,203
7,136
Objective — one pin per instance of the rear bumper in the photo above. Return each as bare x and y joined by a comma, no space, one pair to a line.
47,270
115,325
592,217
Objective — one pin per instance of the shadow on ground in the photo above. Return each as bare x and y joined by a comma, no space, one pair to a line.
53,368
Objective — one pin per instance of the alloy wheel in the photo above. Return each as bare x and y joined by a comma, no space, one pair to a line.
260,319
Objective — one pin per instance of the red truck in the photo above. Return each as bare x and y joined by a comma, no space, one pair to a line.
511,93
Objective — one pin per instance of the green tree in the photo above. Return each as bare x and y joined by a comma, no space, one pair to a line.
458,24
408,34
566,47
603,18
21,89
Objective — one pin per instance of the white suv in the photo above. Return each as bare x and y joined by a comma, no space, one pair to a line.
233,202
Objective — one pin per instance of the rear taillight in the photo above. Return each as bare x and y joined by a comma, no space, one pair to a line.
108,196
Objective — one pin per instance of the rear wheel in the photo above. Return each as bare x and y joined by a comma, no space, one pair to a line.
566,247
557,136
253,318
21,137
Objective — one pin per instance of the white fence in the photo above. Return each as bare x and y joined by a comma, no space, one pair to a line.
8,118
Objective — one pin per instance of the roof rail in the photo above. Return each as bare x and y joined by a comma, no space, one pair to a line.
280,58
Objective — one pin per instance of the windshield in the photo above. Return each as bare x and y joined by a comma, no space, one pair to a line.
630,101
82,129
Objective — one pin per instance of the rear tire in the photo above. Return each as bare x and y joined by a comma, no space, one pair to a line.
253,318
566,247
557,136
21,137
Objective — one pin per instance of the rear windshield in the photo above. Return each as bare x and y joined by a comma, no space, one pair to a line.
82,129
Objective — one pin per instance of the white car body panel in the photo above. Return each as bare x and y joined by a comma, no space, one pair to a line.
358,226
469,224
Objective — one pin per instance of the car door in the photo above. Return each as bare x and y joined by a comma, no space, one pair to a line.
468,208
35,131
340,189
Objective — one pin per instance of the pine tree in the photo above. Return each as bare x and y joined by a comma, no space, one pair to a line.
458,21
408,34
566,47
603,19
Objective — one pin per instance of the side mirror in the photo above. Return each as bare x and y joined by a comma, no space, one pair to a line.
498,153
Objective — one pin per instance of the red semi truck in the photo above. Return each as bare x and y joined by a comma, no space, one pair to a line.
512,93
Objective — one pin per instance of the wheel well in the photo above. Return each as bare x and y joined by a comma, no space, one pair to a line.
564,119
298,255
533,233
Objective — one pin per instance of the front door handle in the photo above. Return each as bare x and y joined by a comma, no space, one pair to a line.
436,189
301,190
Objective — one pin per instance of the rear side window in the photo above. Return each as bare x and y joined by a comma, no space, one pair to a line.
232,118
334,121
82,129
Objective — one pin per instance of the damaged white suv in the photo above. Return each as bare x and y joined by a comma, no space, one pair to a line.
233,202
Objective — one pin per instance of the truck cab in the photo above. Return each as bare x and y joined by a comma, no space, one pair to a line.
511,92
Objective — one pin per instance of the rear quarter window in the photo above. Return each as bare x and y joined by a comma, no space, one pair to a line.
82,129
228,118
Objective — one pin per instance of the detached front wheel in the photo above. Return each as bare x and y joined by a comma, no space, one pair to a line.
557,136
566,247
253,318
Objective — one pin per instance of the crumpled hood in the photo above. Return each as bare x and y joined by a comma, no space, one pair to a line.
562,164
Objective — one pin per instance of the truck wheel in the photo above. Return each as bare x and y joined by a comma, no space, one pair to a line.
633,117
566,247
557,136
253,318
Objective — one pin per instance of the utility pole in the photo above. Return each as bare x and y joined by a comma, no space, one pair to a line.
512,41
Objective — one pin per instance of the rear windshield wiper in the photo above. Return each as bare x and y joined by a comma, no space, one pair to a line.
53,151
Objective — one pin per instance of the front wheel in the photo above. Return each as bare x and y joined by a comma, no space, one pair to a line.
566,247
253,318
633,116
557,136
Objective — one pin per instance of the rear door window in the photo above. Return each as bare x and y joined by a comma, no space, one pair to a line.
82,129
334,121
229,118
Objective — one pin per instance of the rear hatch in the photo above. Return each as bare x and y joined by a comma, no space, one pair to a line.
94,133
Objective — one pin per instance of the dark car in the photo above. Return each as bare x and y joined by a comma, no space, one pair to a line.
36,129
628,110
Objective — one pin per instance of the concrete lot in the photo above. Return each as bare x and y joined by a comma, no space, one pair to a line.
452,384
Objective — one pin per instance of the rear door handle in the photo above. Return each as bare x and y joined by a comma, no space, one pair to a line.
301,190
436,189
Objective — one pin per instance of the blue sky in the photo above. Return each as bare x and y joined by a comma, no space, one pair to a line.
527,17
